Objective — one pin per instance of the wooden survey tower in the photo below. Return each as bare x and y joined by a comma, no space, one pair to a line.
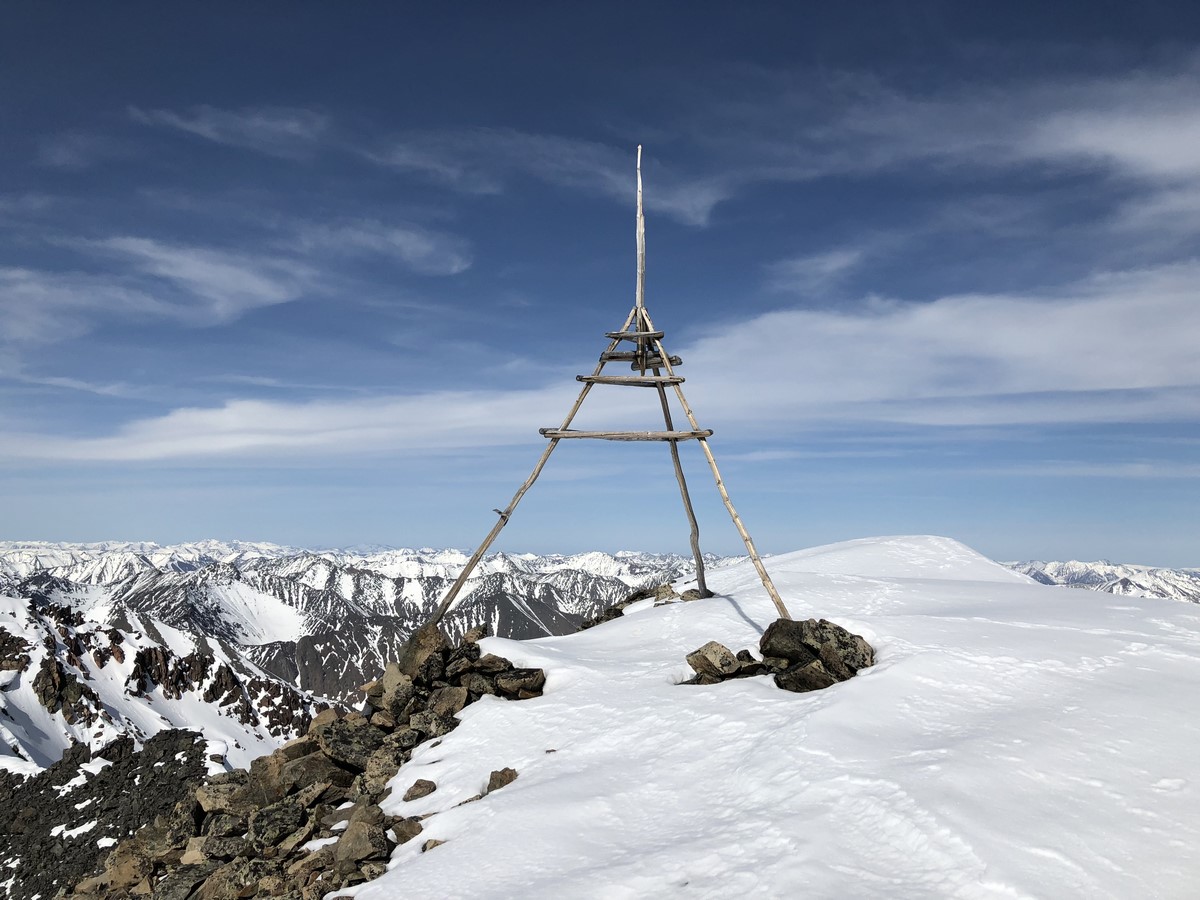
640,344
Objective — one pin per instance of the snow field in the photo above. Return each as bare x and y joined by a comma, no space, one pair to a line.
1013,740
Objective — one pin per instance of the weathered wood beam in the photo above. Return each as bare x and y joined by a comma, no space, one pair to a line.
634,335
561,433
631,380
632,356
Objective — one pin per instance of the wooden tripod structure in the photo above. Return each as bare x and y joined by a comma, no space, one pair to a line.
654,368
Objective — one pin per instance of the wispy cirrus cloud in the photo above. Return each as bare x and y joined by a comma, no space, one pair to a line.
207,285
753,127
813,271
42,307
801,126
423,250
253,428
287,132
482,160
143,278
78,150
1116,348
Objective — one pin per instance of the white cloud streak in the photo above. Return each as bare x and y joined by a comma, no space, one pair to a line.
157,280
422,250
287,132
813,272
248,428
1115,348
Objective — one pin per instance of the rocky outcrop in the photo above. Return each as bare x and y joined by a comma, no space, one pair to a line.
802,656
68,679
306,820
58,826
14,652
59,690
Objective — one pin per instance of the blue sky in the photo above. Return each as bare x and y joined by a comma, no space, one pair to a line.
316,274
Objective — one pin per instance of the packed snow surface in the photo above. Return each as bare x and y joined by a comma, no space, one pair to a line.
1013,740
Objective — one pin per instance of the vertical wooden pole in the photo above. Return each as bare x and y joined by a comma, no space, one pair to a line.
641,238
701,585
712,464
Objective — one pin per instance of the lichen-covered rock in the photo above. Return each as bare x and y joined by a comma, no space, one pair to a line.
447,701
225,793
361,840
271,824
395,691
841,652
819,653
427,641
431,724
236,879
313,769
350,742
714,660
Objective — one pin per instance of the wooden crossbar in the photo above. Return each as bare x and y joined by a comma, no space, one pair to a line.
653,361
560,433
634,335
631,380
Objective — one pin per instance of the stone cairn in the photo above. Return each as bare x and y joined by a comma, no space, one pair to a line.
305,820
802,656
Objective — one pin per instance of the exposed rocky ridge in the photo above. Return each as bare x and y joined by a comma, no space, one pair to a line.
801,656
58,826
1124,580
66,680
305,820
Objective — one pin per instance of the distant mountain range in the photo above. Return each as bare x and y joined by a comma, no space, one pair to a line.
1126,580
98,640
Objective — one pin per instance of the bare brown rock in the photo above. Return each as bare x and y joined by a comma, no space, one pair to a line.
422,787
500,778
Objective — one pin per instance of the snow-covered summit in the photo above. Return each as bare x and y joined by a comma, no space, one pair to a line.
1012,740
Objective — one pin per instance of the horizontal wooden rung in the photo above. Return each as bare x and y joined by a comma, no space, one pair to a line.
652,360
559,434
635,335
631,380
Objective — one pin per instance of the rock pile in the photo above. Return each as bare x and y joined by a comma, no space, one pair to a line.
306,820
802,656
660,594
